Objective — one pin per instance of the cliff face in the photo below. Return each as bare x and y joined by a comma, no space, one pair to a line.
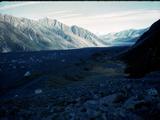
144,55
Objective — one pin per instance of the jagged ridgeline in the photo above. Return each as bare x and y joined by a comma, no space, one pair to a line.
21,34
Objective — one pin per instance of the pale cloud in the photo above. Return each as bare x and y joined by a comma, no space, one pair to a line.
55,15
74,15
7,7
102,17
50,14
63,14
58,12
118,15
115,22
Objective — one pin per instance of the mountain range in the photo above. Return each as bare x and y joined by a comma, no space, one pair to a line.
125,37
22,34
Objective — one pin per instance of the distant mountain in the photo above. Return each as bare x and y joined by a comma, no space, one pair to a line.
85,34
144,56
21,34
127,37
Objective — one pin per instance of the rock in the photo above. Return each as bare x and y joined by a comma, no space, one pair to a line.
133,104
15,95
92,113
152,92
95,96
70,112
63,60
91,104
104,108
78,99
27,74
13,61
91,109
126,75
101,85
104,117
22,67
158,106
128,86
111,99
38,91
14,67
72,116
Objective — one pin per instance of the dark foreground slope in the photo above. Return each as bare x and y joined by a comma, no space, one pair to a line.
83,84
144,56
20,68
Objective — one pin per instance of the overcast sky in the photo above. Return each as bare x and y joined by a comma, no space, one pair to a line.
98,17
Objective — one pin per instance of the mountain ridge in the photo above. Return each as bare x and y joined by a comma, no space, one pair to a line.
44,34
23,34
128,37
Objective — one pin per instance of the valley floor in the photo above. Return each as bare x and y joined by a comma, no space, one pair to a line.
83,84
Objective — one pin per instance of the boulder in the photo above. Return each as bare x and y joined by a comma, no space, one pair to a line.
27,74
38,91
152,92
112,99
133,103
91,104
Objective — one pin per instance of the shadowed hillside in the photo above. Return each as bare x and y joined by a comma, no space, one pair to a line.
144,56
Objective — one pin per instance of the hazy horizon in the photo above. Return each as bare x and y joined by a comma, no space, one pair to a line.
98,17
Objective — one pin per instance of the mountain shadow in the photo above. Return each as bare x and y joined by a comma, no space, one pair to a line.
144,56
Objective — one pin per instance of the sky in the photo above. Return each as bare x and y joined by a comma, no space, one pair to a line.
99,17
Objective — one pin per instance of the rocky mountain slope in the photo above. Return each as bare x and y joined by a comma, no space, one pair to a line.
21,34
144,56
126,37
